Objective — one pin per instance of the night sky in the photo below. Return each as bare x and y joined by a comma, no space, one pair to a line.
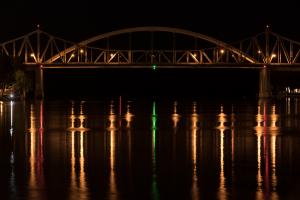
78,20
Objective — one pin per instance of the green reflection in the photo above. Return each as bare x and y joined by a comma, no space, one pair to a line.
154,118
154,176
154,66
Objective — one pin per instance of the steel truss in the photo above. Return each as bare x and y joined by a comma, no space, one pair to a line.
266,48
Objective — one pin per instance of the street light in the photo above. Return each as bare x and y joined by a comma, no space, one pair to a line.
72,56
33,56
81,52
273,56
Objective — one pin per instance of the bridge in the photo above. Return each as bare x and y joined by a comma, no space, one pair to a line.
155,47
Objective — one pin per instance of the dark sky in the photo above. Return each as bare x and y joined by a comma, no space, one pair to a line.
80,19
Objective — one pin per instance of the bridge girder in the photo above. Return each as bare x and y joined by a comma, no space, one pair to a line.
267,48
212,40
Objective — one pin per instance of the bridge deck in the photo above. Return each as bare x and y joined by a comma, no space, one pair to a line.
273,67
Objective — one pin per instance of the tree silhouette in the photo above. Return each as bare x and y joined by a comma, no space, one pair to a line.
13,74
6,73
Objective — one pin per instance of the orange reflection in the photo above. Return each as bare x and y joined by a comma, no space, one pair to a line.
259,120
222,119
194,128
73,157
266,130
1,111
273,162
77,128
232,137
78,121
82,176
274,130
259,132
112,118
41,145
1,108
112,153
32,177
73,160
128,116
72,116
36,177
11,117
78,183
175,116
81,116
288,105
194,120
259,178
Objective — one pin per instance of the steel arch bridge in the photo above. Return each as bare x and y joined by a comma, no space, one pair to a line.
265,51
48,51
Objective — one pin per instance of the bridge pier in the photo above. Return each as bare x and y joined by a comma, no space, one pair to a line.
264,83
39,82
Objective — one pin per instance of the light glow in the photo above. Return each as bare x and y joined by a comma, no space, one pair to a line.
175,116
128,116
154,175
1,107
194,119
11,117
222,119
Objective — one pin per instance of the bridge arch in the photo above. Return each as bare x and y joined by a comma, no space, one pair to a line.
154,29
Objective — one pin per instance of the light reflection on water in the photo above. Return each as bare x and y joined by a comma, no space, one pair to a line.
124,149
112,192
194,131
222,119
36,154
266,131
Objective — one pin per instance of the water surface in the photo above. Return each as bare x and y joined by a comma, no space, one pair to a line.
150,148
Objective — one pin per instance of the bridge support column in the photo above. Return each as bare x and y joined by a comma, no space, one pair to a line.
39,82
264,83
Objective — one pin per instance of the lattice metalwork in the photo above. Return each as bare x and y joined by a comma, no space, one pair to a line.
35,47
270,48
39,47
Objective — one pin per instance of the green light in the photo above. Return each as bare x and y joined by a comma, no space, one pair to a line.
154,67
154,119
155,191
154,109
